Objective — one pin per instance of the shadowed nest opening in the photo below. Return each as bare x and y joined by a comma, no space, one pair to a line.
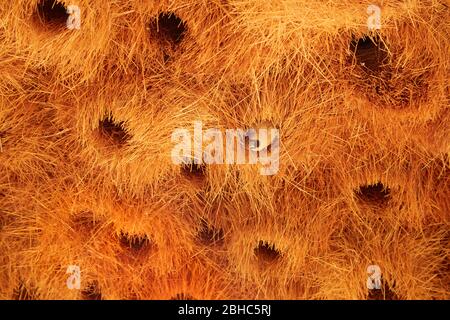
91,292
51,14
111,133
371,54
267,253
168,28
382,81
182,296
194,172
169,31
208,235
385,293
373,194
135,245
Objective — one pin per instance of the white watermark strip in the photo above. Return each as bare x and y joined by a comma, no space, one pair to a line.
263,147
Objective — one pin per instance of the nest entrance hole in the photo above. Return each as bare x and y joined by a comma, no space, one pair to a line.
168,28
371,54
136,245
112,133
385,293
92,292
374,194
182,296
51,14
267,253
209,235
194,172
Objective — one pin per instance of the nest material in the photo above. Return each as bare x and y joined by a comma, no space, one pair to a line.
86,118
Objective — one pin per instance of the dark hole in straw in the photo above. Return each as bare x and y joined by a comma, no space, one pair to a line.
52,14
370,53
209,235
113,133
182,296
92,292
373,193
135,244
267,253
168,28
193,170
385,293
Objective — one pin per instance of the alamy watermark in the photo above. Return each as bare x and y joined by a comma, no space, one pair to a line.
374,279
74,19
74,280
251,146
374,19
